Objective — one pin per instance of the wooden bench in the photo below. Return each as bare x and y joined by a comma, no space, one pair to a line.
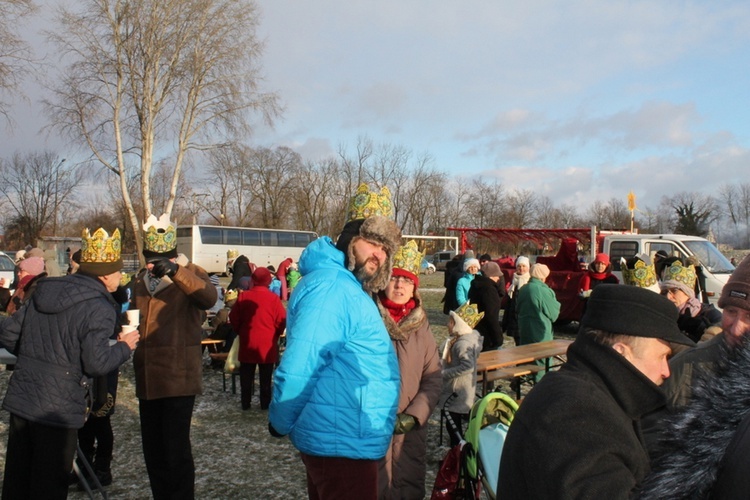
518,373
222,356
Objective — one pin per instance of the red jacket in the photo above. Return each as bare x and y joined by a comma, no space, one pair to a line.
259,319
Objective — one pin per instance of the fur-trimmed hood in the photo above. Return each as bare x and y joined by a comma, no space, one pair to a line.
376,228
411,323
691,452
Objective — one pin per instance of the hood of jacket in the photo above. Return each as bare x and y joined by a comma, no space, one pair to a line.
402,330
54,295
692,448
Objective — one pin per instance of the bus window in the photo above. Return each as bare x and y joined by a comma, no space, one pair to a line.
210,236
269,239
250,237
301,239
285,239
232,237
185,232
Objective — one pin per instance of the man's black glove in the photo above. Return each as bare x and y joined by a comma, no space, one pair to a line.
164,267
274,432
404,423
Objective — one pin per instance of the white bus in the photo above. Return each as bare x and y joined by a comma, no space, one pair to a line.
207,246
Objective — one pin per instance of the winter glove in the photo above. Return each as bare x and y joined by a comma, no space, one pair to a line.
404,423
585,294
164,267
273,431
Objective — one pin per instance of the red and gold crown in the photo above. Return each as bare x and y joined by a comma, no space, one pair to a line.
408,257
366,203
100,247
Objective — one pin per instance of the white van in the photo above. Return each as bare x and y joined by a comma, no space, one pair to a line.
716,267
440,259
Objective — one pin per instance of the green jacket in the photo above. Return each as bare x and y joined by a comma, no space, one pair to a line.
537,309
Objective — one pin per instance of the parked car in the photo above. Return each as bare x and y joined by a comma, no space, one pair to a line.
6,268
427,267
441,258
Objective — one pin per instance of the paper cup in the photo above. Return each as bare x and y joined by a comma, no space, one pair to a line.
128,329
133,316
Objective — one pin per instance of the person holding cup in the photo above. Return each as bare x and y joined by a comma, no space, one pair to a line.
62,338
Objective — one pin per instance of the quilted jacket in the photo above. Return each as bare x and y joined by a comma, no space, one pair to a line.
64,335
336,390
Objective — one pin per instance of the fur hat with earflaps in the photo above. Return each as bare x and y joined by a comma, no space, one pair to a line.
369,218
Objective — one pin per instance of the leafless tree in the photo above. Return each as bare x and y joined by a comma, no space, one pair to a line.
521,208
157,75
271,171
36,185
15,53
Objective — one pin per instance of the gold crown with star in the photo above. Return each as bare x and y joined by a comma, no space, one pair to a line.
161,235
366,203
408,257
682,274
470,314
100,247
642,275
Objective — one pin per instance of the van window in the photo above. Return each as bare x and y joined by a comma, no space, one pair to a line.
671,249
621,249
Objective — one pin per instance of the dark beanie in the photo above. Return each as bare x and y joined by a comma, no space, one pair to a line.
737,290
261,277
629,310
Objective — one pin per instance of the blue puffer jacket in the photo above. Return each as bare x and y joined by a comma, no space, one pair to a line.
66,329
336,390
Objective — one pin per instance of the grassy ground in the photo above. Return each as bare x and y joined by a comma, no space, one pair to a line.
235,457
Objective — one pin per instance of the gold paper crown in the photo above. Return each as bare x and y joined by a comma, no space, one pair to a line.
232,253
470,314
161,236
100,247
231,295
682,274
642,275
408,257
366,203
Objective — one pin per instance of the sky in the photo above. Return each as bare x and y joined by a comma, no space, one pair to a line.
575,100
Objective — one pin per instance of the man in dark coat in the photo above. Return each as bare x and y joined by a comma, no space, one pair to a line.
486,291
171,299
61,337
577,433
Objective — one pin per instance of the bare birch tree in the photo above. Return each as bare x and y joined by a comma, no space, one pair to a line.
155,79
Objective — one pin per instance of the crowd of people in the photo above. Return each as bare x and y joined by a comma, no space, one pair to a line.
361,373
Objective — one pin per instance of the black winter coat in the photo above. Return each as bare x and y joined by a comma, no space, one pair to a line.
577,435
488,296
64,335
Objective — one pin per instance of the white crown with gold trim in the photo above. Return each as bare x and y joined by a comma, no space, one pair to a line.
100,247
161,235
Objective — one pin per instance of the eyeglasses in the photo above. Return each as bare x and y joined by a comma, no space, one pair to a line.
667,291
403,279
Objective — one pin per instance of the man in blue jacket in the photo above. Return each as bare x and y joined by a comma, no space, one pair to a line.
336,390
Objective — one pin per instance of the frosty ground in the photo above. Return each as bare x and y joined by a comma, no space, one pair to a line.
235,456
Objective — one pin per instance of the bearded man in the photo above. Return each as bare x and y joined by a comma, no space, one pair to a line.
336,390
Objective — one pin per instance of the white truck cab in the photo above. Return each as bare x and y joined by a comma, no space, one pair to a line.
716,267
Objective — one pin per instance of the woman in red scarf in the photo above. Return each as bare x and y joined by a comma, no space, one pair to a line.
600,271
402,471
